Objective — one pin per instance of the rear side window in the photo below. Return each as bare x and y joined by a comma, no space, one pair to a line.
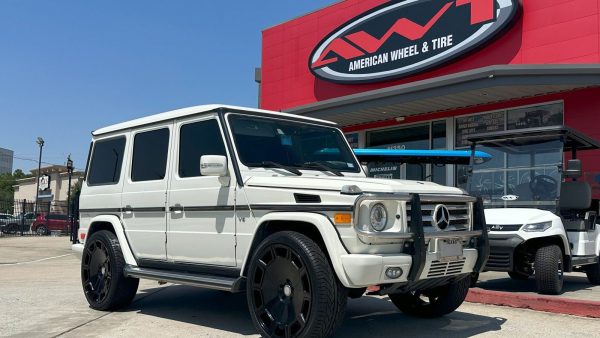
107,159
150,155
195,140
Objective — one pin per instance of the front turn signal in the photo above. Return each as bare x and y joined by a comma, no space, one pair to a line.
342,218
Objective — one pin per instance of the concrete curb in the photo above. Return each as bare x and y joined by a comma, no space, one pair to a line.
568,306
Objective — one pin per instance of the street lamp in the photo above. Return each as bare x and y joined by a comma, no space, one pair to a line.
40,142
70,216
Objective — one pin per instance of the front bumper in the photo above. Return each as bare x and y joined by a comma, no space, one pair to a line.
363,270
502,252
77,249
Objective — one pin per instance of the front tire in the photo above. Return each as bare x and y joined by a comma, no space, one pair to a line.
41,230
434,302
292,290
104,283
549,270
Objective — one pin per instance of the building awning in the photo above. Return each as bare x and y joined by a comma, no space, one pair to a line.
460,90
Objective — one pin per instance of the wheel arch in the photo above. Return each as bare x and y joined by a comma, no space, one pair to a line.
533,244
113,224
315,226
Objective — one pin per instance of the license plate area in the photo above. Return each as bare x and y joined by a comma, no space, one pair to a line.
449,249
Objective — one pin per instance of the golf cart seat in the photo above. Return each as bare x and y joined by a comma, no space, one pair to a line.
575,200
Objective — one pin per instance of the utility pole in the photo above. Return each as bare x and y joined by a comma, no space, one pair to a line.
70,215
40,142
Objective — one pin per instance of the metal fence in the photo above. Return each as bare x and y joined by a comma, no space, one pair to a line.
22,217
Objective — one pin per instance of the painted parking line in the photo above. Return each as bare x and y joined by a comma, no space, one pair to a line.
37,260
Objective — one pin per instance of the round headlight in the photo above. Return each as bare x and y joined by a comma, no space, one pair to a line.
378,217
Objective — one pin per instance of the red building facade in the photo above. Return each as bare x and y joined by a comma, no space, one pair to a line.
546,60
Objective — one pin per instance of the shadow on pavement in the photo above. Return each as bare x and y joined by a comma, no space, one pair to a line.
365,317
572,283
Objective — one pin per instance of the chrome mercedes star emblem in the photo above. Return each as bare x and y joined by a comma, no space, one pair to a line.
441,217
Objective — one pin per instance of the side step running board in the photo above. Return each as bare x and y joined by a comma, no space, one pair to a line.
230,284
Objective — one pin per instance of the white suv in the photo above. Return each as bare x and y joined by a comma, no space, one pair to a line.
272,204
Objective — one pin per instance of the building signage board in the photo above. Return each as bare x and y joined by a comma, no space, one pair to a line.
44,182
404,38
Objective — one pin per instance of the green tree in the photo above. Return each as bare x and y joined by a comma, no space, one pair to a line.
7,181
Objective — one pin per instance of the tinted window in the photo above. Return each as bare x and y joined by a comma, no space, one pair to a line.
150,155
57,216
195,140
107,159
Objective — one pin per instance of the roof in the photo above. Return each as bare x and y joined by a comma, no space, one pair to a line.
420,156
454,91
184,112
573,138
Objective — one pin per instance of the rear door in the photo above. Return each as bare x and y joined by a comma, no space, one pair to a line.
144,191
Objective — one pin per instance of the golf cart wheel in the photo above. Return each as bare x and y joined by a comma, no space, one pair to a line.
41,230
434,302
518,275
292,290
549,270
104,284
593,273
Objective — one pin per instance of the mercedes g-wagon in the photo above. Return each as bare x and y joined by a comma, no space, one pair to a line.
274,205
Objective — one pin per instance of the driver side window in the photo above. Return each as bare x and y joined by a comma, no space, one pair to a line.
195,140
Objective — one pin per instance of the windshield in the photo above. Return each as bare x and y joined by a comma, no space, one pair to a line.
519,175
268,142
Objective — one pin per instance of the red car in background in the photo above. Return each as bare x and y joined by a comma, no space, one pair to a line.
43,224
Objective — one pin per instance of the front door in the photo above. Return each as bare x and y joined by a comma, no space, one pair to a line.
201,222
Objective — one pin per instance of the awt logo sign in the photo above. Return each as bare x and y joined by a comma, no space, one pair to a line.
404,38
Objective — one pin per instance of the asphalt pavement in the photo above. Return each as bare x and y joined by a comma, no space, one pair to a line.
40,296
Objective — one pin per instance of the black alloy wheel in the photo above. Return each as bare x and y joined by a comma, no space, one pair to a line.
102,273
96,271
291,289
41,230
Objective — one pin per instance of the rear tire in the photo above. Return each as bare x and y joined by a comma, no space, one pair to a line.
292,290
441,300
549,270
518,275
593,273
104,283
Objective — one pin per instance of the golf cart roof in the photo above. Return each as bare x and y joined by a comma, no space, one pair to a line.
419,156
573,138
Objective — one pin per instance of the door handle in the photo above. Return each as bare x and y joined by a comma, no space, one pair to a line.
177,208
128,209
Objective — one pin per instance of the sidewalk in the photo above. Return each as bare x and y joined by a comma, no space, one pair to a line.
579,298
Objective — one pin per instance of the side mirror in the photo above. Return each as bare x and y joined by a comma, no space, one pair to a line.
213,165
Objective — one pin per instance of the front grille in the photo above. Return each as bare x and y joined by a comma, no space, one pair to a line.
460,215
498,260
442,269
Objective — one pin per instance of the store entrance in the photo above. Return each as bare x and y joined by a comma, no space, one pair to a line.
430,135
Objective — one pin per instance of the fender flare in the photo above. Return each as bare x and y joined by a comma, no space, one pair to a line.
329,235
117,226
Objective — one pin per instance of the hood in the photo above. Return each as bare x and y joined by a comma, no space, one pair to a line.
374,185
506,216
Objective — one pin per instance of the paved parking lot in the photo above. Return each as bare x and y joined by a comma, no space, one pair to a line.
40,296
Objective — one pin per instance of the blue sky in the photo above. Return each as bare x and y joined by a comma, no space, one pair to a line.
68,67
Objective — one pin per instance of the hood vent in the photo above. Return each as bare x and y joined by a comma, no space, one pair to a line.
305,198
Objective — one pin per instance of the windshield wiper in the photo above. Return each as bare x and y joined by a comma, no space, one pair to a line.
271,164
322,167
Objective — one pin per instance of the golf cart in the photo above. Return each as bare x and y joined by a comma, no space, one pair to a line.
542,218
